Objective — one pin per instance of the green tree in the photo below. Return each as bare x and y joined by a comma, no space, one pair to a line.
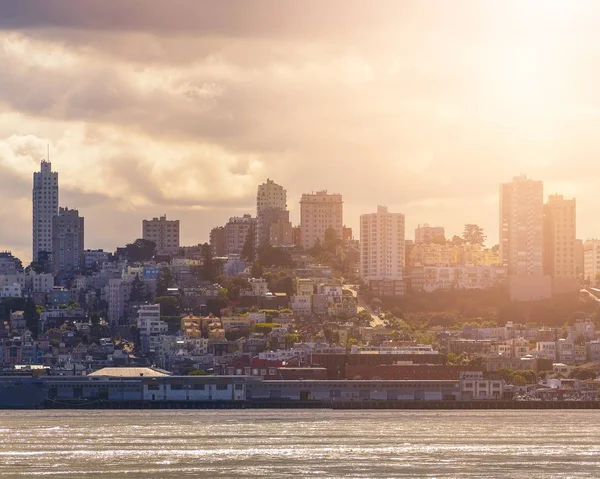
583,373
473,234
164,281
257,270
140,250
271,256
457,241
32,317
169,305
248,250
439,239
331,240
138,290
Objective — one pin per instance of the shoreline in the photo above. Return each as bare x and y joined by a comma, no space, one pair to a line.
332,405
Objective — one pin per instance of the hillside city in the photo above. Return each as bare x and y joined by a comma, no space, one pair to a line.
264,298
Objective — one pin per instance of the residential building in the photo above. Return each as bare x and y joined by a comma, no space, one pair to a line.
9,264
426,234
521,225
236,232
382,245
148,320
272,218
95,257
462,277
319,212
425,254
164,233
45,207
270,195
67,241
591,261
217,241
559,238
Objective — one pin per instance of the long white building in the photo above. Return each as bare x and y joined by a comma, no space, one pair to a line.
45,207
382,245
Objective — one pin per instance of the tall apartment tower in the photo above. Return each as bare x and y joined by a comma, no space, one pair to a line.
272,217
521,226
67,241
270,195
45,207
591,261
164,233
382,245
319,212
236,232
560,238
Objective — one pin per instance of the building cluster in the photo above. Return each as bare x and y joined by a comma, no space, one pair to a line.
216,309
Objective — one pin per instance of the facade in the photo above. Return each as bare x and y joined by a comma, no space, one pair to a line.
591,260
164,233
95,257
9,264
382,245
236,232
426,234
270,195
45,207
521,225
217,241
559,238
272,217
67,241
319,212
426,254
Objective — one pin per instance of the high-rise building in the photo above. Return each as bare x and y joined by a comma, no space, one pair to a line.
217,241
164,233
319,212
382,245
45,207
236,232
559,237
426,234
271,211
591,261
67,241
270,195
521,224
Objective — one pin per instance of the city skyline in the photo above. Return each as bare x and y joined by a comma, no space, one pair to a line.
430,131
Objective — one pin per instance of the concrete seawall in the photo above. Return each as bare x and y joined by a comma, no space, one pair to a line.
336,405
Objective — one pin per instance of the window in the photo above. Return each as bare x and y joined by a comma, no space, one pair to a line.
198,387
153,387
221,387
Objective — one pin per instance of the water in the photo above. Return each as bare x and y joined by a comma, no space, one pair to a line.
307,443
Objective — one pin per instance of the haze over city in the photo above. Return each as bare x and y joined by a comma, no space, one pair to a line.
149,110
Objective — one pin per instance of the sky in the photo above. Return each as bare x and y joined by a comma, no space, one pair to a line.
183,107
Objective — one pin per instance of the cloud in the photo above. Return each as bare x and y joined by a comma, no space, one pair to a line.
185,107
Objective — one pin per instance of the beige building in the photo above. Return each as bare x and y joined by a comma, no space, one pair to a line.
475,254
521,224
559,237
382,245
272,217
591,260
164,233
426,234
319,212
270,195
236,231
424,254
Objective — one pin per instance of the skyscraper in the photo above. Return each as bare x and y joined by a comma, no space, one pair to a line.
521,225
67,241
163,233
272,214
382,245
45,207
559,237
319,212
